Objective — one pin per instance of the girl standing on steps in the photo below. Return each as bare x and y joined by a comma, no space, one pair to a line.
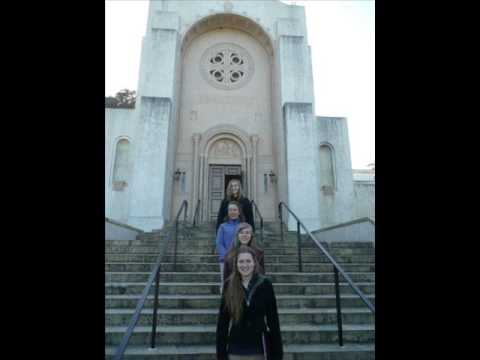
244,236
234,193
248,306
226,233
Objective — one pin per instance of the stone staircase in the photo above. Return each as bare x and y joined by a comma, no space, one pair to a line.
189,298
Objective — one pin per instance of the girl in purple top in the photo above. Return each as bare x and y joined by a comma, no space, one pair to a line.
226,234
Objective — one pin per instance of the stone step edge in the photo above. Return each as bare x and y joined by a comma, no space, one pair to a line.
213,328
218,273
214,311
216,284
211,349
217,297
204,263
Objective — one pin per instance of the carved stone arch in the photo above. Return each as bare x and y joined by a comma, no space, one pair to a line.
230,131
228,137
114,152
248,154
332,161
231,20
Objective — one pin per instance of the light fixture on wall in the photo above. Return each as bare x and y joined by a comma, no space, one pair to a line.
177,174
273,177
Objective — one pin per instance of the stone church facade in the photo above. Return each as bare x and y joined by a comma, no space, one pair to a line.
226,91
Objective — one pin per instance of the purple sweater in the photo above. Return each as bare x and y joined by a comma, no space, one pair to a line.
225,235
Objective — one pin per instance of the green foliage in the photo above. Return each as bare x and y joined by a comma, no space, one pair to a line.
124,99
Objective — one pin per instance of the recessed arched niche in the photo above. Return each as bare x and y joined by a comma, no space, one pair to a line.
230,21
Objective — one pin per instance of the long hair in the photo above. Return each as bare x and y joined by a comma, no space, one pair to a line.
234,293
240,215
230,192
232,251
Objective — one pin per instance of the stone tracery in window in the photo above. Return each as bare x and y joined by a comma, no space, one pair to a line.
227,66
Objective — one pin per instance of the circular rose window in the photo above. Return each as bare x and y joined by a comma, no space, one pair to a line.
227,66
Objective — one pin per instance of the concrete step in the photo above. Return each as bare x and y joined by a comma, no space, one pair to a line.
291,352
268,241
120,288
280,277
282,259
213,301
204,267
122,317
205,334
210,250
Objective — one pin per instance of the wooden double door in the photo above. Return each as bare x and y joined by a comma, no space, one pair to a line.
218,178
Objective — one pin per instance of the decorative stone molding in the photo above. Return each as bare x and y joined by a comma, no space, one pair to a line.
227,66
119,185
224,129
226,148
228,20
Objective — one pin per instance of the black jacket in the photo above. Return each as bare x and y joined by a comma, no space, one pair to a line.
260,305
246,211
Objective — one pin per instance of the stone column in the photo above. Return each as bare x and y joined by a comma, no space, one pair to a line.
196,179
298,107
248,177
303,195
152,176
254,140
155,134
201,187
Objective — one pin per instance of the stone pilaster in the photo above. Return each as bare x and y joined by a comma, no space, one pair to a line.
196,178
254,139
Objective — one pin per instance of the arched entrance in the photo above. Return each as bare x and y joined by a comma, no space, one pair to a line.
225,152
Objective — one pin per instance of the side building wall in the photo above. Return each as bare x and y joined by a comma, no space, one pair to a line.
364,199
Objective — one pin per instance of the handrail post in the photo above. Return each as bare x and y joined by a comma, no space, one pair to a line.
339,307
254,213
261,231
281,220
175,247
155,309
185,214
299,247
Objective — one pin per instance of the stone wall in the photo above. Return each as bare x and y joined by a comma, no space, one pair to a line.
364,199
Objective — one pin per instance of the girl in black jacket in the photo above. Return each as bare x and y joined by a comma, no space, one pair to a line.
248,306
234,192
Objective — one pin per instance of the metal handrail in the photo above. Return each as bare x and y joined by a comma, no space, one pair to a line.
256,211
184,206
154,276
336,268
196,213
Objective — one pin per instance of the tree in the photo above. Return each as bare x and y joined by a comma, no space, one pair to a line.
124,99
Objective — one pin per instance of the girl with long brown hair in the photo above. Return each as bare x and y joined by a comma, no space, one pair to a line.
244,236
247,308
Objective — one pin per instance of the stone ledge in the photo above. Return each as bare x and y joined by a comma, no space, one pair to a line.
123,225
356,221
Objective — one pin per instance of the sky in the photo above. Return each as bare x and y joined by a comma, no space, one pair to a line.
341,34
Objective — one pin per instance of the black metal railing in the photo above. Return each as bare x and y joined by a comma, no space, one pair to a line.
256,212
154,276
184,206
196,214
337,269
